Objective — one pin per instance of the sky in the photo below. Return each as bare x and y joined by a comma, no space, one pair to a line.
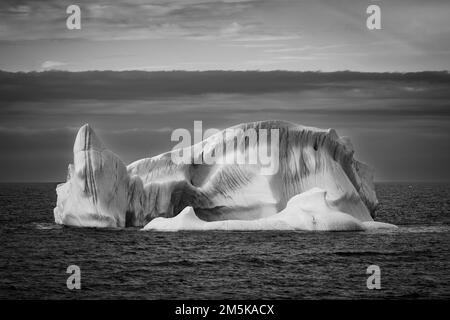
225,35
399,121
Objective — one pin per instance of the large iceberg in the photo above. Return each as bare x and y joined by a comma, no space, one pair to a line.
318,185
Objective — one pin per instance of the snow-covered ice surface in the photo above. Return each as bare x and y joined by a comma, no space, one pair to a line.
318,186
308,211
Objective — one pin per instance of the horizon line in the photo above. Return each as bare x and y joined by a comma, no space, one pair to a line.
225,70
376,181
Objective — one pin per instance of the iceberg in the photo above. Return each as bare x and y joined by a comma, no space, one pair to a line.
319,185
308,211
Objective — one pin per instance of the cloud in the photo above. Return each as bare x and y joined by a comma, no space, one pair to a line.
233,29
130,19
25,131
391,117
304,48
135,20
140,85
49,65
270,37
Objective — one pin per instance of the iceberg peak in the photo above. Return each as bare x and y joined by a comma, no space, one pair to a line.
87,140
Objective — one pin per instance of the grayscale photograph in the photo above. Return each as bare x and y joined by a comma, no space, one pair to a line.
224,150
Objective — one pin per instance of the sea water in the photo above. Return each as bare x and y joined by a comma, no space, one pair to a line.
128,264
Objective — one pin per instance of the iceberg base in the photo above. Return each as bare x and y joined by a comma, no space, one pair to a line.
308,211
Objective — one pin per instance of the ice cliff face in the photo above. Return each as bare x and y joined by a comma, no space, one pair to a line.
96,191
102,192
